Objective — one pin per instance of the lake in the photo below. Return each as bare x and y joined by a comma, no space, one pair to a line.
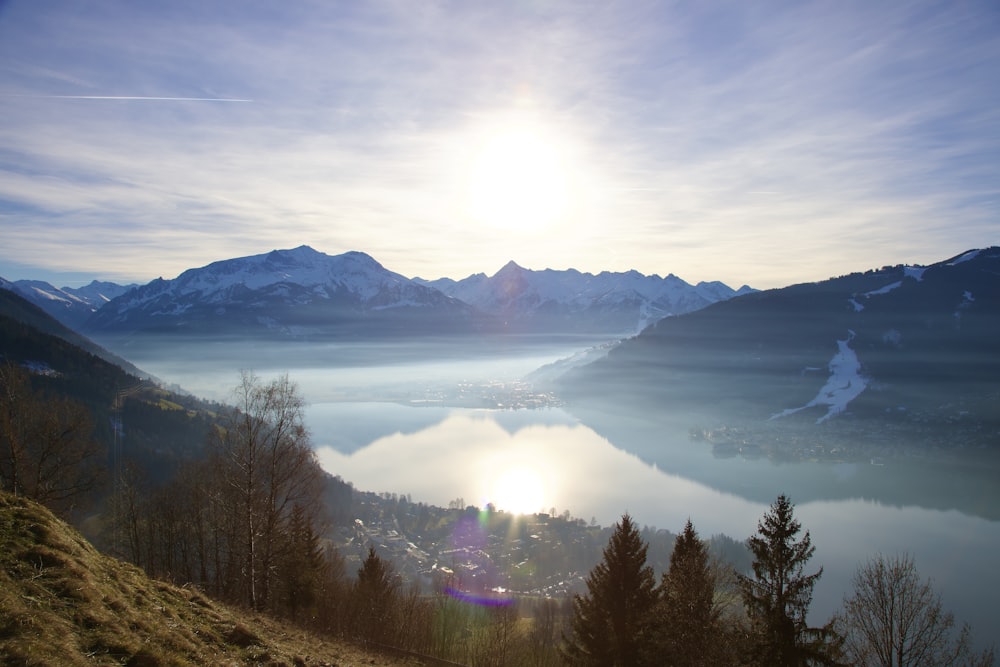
422,419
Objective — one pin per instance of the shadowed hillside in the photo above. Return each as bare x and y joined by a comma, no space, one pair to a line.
63,603
900,354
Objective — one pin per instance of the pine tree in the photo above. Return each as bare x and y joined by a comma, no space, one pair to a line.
777,597
302,564
688,629
374,598
610,623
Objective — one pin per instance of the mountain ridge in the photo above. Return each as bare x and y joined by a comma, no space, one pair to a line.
611,302
70,305
301,292
915,348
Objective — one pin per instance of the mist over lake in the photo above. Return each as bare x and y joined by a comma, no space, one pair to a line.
442,420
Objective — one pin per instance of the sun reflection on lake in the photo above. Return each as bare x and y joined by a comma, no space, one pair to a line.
530,460
532,467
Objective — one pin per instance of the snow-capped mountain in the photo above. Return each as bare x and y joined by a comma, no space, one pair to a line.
299,292
911,345
302,292
619,303
70,305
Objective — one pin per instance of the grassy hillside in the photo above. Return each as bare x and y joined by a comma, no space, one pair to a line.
64,603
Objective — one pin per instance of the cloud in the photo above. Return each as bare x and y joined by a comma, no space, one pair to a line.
134,98
876,127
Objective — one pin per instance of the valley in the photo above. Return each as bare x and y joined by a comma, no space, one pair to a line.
707,415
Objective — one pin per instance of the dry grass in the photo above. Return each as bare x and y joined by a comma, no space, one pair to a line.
64,603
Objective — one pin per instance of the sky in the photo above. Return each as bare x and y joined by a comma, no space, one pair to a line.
763,143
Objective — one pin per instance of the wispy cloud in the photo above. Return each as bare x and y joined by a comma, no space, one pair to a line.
130,98
764,143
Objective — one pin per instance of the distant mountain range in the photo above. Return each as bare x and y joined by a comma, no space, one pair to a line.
70,305
549,300
302,293
911,348
909,352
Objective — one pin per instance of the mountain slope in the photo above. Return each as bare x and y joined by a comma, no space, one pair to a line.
298,293
19,309
162,428
63,603
910,347
69,305
526,300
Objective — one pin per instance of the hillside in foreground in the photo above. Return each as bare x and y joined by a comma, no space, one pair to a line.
64,603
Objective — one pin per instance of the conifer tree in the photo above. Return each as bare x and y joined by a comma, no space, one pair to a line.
302,564
688,628
778,595
610,624
374,598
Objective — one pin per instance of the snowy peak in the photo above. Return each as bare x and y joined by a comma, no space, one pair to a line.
295,292
609,302
70,306
301,291
510,268
302,267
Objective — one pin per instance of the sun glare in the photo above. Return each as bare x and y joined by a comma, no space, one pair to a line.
518,491
517,181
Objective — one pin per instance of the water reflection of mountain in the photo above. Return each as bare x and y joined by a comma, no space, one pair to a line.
349,427
915,478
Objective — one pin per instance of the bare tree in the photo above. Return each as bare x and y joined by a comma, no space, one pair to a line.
265,458
47,449
894,618
545,630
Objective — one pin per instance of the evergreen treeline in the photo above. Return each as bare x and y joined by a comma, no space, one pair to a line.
699,615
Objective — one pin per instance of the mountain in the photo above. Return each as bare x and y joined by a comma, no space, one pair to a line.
902,349
303,293
162,428
550,300
300,293
71,306
18,310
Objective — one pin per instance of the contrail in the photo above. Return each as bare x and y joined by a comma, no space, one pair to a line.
133,97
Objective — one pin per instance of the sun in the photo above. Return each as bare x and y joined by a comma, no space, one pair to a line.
517,180
518,490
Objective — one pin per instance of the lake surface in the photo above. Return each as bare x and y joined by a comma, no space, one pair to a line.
383,418
536,460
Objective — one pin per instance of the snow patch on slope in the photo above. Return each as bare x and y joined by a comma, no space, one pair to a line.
844,385
972,254
914,272
885,290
